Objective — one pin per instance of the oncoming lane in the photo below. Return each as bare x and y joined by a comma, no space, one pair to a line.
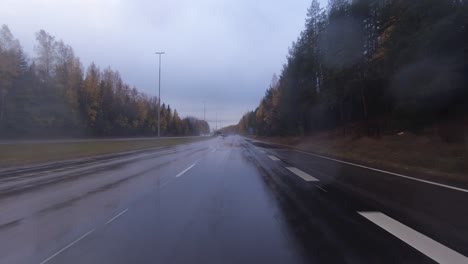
37,223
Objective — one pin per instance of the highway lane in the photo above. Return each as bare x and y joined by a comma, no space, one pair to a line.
216,201
435,209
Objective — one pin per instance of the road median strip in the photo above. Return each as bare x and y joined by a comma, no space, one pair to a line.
20,154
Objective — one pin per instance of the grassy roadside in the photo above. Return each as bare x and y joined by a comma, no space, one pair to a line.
401,153
24,154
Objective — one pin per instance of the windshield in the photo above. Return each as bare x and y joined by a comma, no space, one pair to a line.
312,131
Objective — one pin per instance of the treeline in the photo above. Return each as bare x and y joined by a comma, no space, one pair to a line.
52,95
383,64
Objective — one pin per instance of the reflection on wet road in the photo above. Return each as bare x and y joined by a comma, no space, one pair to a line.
216,201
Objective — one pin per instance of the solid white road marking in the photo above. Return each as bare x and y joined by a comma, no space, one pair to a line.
374,169
115,217
420,242
65,248
303,175
387,172
273,158
187,169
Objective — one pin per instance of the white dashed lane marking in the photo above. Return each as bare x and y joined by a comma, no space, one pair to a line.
305,176
187,169
273,158
320,188
68,246
117,216
420,242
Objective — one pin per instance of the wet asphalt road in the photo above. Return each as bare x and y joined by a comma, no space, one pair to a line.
228,200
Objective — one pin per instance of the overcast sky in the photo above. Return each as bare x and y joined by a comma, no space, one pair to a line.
223,53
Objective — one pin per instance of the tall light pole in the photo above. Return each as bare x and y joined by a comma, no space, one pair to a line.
204,111
159,95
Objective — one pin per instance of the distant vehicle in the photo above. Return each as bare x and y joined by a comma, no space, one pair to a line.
218,133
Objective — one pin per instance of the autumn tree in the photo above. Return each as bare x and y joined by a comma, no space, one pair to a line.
382,64
13,68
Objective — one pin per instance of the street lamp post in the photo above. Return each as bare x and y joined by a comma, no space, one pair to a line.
159,95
